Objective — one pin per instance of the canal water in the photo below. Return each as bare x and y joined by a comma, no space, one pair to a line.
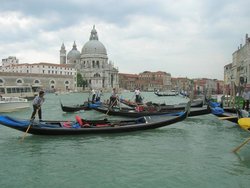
193,153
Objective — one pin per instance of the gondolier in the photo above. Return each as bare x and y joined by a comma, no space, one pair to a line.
113,98
138,98
37,104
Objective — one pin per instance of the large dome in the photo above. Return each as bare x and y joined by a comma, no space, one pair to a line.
94,46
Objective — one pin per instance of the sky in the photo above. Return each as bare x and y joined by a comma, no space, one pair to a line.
186,38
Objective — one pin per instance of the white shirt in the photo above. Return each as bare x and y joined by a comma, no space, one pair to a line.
137,92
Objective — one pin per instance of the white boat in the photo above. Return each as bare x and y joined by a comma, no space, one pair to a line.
22,91
10,104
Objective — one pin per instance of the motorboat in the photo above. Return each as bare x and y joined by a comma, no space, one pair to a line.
10,104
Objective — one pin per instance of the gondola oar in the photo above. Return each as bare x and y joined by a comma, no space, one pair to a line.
241,145
31,122
111,106
225,118
244,124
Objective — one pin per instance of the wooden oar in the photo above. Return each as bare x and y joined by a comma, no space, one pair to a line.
26,131
241,145
111,106
31,121
225,118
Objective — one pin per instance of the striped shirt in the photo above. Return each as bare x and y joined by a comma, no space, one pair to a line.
38,100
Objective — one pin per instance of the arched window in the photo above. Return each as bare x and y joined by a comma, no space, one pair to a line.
19,81
1,81
66,82
97,75
36,81
52,82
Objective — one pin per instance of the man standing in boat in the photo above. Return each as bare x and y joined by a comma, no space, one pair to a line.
246,97
138,98
93,95
98,95
113,98
37,104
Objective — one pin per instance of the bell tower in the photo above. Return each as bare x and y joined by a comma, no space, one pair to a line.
62,54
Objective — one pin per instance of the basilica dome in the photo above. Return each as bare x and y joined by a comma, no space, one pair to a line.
94,46
74,53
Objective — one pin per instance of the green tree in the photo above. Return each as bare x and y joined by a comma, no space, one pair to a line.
80,81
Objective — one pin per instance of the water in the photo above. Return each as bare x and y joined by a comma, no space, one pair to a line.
192,153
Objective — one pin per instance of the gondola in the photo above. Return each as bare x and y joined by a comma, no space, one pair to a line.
75,108
165,94
135,113
129,103
194,104
81,126
223,114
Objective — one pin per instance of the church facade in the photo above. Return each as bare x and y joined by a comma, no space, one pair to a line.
92,63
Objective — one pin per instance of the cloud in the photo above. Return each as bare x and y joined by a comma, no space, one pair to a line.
185,38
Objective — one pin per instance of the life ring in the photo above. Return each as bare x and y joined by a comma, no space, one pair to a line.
79,120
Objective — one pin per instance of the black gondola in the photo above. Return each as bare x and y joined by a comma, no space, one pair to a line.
165,94
194,104
135,113
75,108
91,126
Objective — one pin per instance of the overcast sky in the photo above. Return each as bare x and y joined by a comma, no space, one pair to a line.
186,38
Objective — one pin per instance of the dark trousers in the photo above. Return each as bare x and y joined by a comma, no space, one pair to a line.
36,110
138,99
246,105
93,98
112,101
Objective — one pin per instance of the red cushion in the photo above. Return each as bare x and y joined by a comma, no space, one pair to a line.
79,120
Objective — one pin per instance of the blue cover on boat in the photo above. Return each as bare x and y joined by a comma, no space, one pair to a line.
214,104
8,121
94,105
217,110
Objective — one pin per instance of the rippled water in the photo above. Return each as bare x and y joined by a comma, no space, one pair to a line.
192,153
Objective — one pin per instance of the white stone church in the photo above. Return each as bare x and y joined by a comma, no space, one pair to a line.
92,62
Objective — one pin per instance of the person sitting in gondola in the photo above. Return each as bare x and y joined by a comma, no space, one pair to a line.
113,98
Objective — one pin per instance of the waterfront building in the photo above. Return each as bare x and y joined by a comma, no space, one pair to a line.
146,81
48,76
151,81
40,68
46,82
11,60
128,81
207,86
237,73
92,63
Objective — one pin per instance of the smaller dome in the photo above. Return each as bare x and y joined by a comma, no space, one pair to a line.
74,53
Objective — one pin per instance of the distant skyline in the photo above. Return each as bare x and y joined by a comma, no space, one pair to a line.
186,38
